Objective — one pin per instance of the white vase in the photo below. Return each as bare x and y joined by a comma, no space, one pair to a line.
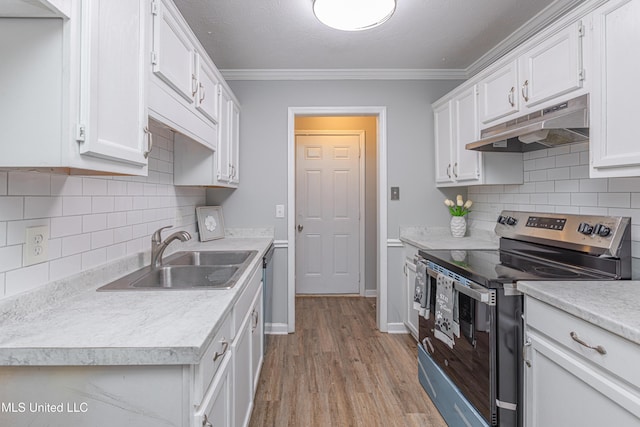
458,226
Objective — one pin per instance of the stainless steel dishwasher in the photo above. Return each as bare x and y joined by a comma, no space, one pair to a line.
267,292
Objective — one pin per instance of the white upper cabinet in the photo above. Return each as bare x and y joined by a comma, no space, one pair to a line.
113,114
498,95
553,67
456,124
229,141
614,147
87,76
208,89
173,55
35,8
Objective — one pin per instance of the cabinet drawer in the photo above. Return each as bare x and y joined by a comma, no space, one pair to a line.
212,358
243,304
558,325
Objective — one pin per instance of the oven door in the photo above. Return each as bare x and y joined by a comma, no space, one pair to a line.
469,366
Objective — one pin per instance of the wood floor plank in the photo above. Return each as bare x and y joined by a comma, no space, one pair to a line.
339,370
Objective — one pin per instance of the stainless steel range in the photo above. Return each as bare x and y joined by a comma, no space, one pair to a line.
470,352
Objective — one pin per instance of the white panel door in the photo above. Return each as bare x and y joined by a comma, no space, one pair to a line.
466,165
443,122
207,96
113,81
498,93
327,214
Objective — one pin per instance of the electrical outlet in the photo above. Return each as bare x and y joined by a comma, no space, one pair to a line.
279,211
36,245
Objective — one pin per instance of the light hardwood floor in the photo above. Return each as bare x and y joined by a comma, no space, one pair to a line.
339,370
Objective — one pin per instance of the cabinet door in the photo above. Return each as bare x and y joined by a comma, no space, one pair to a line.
614,147
224,156
443,122
217,404
113,114
411,315
553,67
466,166
234,141
257,338
207,96
498,95
173,53
242,380
563,390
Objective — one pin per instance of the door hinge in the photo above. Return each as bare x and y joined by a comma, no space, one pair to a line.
580,30
581,74
80,133
154,58
154,7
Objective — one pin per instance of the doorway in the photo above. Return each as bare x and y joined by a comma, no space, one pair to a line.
330,188
375,276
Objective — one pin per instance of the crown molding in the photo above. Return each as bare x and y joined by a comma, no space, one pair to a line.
542,20
344,74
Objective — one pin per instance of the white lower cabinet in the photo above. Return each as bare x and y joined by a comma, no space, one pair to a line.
410,314
568,383
216,408
257,338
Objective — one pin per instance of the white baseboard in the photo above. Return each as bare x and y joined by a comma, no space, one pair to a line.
276,328
397,328
370,293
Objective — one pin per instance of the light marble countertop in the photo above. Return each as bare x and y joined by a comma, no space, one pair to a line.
611,305
69,323
440,238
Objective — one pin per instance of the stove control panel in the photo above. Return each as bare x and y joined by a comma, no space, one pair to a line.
595,234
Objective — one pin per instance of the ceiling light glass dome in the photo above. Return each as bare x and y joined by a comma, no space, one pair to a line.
353,15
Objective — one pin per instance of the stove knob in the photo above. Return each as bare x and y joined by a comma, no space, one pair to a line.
511,221
585,228
502,219
601,230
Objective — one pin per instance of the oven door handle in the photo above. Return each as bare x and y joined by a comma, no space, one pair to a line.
475,291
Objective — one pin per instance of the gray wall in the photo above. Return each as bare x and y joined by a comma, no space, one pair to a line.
263,156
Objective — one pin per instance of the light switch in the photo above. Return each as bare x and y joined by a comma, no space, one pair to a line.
279,211
395,193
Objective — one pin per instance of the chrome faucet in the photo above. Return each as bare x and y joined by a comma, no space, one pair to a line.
158,245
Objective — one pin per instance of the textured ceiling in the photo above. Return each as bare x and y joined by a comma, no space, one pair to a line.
422,34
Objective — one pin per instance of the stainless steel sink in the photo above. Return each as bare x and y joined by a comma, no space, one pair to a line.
210,258
198,270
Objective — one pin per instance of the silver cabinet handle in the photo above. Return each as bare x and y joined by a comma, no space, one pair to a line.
510,96
150,143
225,347
526,344
525,90
256,318
194,85
205,422
449,170
455,169
202,92
300,228
600,349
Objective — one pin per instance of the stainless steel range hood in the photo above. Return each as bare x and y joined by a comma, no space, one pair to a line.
560,124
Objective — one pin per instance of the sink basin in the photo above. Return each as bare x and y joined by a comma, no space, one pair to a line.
181,277
209,258
197,270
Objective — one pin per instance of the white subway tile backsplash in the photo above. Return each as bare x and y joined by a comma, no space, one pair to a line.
545,187
557,174
65,267
76,205
578,172
568,186
538,175
594,185
77,244
545,163
635,200
614,200
11,208
66,226
624,184
565,160
539,199
557,151
10,257
584,199
26,278
560,199
3,192
29,184
42,207
93,220
94,187
63,185
592,210
579,147
102,204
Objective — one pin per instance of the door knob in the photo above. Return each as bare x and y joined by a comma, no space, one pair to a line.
300,227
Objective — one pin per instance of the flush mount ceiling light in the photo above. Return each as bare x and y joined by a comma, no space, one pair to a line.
353,15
